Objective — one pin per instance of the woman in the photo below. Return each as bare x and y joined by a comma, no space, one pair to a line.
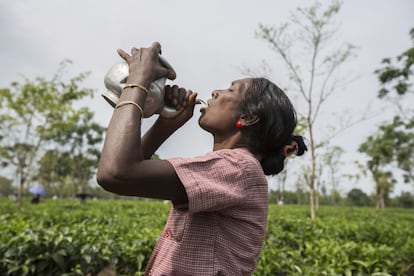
217,224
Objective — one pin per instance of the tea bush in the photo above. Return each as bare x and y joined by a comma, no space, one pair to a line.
341,241
65,237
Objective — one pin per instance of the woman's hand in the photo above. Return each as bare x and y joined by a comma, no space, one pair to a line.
180,99
144,65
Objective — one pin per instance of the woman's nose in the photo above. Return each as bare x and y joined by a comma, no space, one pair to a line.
215,94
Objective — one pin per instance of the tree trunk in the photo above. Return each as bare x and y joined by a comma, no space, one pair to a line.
317,195
312,203
19,196
379,198
312,179
382,201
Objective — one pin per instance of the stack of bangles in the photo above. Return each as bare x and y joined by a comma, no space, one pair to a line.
132,85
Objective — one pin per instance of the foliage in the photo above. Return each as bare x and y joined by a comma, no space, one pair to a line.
306,45
394,141
356,197
405,200
64,237
341,241
6,187
289,197
396,73
73,161
392,144
401,133
332,162
38,116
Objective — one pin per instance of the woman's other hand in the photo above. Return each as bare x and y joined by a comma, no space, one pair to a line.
180,99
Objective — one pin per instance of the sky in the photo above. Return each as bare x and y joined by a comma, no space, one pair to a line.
208,43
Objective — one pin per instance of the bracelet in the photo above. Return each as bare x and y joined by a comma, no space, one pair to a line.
133,103
132,85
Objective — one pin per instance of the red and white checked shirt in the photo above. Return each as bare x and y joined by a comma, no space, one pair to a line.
221,231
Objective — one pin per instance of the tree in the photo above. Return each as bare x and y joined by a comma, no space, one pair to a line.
53,168
332,160
281,181
381,149
313,64
405,200
402,133
30,113
396,73
394,142
357,197
396,79
289,197
76,138
6,187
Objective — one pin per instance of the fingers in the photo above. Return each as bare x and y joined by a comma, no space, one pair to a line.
123,54
192,99
148,58
182,93
179,97
189,100
156,46
171,75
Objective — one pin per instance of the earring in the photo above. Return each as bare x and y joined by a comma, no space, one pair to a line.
238,124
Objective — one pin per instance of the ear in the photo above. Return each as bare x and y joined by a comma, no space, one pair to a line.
248,120
291,150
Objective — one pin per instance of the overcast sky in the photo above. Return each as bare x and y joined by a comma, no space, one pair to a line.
207,42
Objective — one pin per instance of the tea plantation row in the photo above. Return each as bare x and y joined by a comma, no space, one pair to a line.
64,237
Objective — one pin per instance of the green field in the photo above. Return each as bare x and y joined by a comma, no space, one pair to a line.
65,237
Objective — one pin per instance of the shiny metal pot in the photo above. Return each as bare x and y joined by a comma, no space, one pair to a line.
115,80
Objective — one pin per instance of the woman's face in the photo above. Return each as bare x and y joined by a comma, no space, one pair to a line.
223,110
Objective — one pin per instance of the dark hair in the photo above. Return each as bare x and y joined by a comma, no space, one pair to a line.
274,130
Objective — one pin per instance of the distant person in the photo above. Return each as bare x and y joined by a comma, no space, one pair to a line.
217,223
83,196
35,199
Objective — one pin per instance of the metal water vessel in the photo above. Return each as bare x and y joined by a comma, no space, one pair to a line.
115,80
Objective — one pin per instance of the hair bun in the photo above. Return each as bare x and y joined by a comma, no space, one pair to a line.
301,144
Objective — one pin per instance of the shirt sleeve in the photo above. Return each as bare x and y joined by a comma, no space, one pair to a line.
217,180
